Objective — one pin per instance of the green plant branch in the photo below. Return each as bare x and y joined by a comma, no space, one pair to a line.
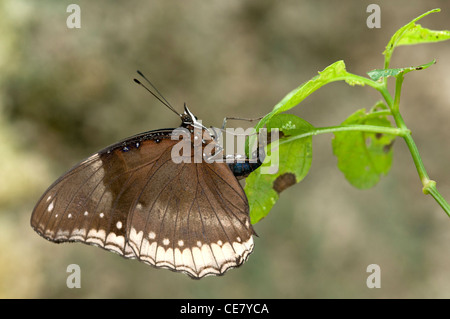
394,106
429,186
409,34
398,91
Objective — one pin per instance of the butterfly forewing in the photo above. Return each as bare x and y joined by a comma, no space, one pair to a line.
132,199
90,203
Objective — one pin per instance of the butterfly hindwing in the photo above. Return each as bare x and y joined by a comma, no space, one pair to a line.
187,218
187,226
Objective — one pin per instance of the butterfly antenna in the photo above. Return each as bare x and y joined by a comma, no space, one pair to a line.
163,100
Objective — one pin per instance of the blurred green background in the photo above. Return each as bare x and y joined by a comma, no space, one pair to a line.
66,93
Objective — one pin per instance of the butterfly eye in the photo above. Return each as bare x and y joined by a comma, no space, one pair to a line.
186,119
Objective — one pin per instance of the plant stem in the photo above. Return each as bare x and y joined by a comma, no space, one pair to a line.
398,91
394,105
431,189
429,186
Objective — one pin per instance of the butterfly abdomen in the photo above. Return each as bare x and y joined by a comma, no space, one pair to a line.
243,168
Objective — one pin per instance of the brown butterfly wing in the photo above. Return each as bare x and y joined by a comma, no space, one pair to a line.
132,199
197,222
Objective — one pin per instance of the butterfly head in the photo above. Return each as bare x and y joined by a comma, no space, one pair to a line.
188,118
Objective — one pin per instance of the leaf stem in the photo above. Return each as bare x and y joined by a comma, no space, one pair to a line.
354,127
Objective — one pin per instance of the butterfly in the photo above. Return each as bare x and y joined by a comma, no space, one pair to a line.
133,199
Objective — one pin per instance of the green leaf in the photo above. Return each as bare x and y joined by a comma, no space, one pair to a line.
408,34
294,162
384,73
334,72
363,156
417,34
